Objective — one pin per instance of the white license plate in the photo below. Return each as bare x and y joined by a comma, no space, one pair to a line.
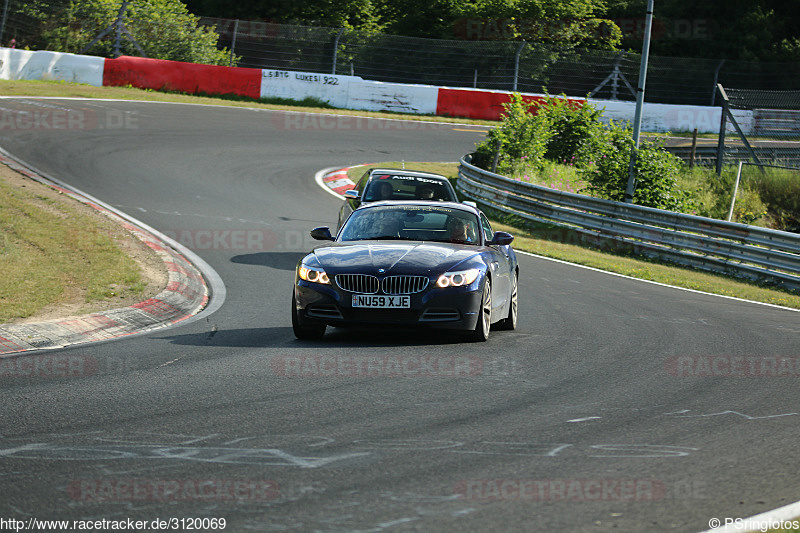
381,302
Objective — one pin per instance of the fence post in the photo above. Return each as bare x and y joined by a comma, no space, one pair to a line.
336,49
735,190
119,27
496,158
723,125
716,80
637,117
233,41
3,24
516,64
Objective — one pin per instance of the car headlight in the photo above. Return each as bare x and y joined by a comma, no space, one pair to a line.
457,279
313,274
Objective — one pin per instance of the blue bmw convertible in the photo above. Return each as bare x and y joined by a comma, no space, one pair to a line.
427,264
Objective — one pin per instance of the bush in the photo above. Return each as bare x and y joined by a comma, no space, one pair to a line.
521,138
557,130
656,171
574,127
780,190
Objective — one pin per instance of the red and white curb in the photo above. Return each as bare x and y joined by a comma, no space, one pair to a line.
336,180
186,294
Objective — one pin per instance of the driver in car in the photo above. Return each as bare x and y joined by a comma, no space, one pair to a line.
460,231
385,191
388,226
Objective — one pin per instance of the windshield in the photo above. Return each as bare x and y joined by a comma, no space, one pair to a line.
392,187
412,223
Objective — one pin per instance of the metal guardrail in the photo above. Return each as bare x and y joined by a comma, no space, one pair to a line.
727,247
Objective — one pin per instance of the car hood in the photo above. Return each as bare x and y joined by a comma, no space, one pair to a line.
368,257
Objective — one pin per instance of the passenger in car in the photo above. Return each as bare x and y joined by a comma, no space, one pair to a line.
424,193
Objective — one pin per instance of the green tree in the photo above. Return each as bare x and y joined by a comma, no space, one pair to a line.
163,28
361,14
574,23
753,30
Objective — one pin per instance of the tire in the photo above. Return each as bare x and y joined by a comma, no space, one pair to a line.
481,331
302,329
510,322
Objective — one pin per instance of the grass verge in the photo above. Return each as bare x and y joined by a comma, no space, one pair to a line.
59,257
630,266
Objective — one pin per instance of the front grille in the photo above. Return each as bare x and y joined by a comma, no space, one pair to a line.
366,284
404,284
358,283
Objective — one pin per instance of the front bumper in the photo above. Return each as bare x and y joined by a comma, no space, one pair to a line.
455,308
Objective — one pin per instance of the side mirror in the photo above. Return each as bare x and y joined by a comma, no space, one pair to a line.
501,238
321,234
351,194
470,203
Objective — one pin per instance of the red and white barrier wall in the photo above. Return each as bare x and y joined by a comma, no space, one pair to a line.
55,66
347,92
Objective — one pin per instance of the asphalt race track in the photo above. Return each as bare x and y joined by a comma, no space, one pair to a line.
586,418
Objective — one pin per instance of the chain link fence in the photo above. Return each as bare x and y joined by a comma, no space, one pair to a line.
501,65
774,133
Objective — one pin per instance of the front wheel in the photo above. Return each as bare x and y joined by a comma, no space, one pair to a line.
510,322
481,331
303,330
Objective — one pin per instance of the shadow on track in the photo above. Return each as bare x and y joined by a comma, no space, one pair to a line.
278,260
282,337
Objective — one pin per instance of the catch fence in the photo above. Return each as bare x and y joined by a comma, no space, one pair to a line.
496,64
500,65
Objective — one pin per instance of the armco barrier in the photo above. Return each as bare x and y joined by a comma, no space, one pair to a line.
294,85
350,92
488,105
55,66
477,104
396,97
162,75
714,245
667,117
